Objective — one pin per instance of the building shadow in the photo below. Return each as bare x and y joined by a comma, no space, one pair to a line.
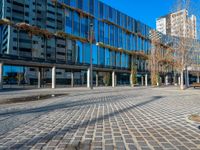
72,128
64,105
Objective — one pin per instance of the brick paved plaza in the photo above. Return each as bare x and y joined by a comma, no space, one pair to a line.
106,118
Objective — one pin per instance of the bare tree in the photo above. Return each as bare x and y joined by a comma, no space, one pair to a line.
184,42
154,57
161,58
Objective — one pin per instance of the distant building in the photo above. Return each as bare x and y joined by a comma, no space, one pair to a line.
178,24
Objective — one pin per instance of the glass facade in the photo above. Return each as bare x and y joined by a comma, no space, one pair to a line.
116,38
111,28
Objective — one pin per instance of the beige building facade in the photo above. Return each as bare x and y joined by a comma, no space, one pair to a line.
178,24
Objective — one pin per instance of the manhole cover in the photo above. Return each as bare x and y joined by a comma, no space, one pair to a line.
195,118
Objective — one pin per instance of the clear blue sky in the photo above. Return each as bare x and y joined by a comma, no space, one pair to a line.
144,10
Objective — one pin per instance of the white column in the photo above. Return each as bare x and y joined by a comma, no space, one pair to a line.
39,77
198,78
166,80
179,80
142,79
97,79
146,80
131,80
72,79
1,75
113,79
53,77
88,78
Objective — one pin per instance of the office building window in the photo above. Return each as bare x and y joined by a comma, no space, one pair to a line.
67,2
68,14
84,27
118,60
111,35
113,58
91,7
107,57
86,5
79,4
86,53
101,32
76,24
101,56
101,9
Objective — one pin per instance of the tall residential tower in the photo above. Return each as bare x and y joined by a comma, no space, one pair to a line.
178,24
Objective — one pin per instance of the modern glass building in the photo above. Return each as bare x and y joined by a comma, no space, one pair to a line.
48,41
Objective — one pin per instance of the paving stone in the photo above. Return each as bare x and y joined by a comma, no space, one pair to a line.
109,147
106,118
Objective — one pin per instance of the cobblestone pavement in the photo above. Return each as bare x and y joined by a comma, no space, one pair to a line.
108,119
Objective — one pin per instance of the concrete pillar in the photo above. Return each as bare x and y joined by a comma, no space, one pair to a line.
53,84
72,79
166,80
198,79
142,79
97,79
39,73
113,79
146,79
131,81
88,78
179,80
1,75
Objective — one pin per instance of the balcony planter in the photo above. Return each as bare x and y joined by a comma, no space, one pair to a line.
6,22
142,55
33,30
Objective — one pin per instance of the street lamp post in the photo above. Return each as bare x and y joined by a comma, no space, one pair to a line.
91,65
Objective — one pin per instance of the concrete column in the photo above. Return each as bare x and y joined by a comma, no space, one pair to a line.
146,79
142,79
97,79
179,80
72,79
198,80
1,75
113,79
166,80
88,78
53,84
131,81
39,73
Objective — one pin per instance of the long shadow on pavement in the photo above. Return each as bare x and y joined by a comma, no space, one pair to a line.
68,129
88,101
